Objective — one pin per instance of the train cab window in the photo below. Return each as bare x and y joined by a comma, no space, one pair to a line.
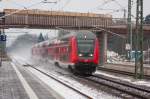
86,46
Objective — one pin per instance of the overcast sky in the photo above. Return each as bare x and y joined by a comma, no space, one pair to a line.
95,6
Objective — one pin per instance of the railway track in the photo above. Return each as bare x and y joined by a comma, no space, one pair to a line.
120,72
54,77
61,81
125,87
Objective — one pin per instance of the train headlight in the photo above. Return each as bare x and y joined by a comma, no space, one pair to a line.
80,55
91,55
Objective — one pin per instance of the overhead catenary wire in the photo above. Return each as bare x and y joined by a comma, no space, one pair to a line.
121,7
25,8
119,4
104,3
67,2
108,31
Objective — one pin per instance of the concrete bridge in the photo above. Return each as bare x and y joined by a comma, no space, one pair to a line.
51,19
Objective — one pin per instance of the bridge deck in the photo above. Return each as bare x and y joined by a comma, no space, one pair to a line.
53,19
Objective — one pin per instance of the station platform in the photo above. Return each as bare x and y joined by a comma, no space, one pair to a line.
18,83
126,66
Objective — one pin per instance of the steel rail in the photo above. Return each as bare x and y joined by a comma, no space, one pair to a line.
120,86
120,72
63,83
56,79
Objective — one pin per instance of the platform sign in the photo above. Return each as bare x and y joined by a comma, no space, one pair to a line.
128,47
2,37
2,14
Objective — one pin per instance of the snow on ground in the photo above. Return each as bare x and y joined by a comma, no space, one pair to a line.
57,87
131,80
142,82
83,88
94,93
113,57
66,92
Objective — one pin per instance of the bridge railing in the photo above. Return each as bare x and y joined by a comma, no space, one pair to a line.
123,21
53,19
119,21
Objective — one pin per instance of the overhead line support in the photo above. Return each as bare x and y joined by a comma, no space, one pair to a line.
139,71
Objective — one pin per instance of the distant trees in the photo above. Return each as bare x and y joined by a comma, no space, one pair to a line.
40,38
46,37
147,19
23,41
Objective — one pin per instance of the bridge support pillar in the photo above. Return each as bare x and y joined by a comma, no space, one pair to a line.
102,37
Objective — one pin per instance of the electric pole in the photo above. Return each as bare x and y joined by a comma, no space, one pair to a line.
129,28
124,13
139,41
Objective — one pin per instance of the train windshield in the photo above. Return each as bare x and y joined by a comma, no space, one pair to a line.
86,46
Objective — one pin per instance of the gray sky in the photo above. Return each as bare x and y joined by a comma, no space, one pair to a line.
95,6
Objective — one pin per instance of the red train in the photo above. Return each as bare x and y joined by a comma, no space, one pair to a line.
78,51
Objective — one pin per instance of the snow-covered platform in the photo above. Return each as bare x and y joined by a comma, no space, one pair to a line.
126,66
17,83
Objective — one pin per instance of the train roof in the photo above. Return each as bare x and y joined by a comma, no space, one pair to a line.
80,34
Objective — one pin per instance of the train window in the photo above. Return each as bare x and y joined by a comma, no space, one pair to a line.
86,46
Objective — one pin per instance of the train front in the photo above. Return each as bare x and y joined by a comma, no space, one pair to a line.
87,52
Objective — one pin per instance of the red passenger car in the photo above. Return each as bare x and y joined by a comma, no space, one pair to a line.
78,51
